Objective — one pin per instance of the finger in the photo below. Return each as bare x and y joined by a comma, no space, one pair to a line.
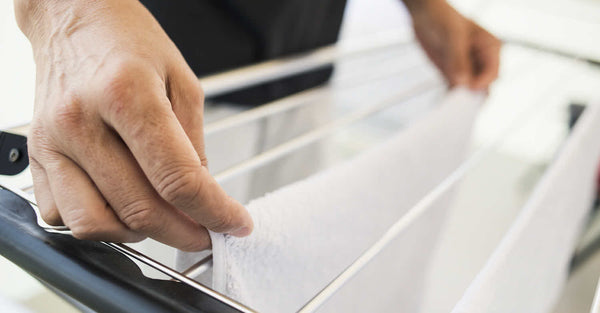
81,206
458,68
150,129
123,184
487,56
43,195
187,101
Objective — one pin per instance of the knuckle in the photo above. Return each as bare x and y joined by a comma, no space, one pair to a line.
179,185
119,94
119,85
143,218
69,115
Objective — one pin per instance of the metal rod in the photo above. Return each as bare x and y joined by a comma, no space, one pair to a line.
252,75
303,140
255,74
400,225
179,276
275,107
199,267
289,103
132,253
419,209
312,136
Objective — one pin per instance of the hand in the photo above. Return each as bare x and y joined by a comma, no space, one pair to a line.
116,141
465,53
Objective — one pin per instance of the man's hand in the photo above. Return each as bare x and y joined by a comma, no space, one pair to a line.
116,142
465,53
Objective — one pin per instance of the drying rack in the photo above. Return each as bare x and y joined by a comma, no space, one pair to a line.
101,276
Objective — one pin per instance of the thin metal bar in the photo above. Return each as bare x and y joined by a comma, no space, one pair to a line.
303,140
179,276
312,136
121,248
405,221
253,75
266,110
277,106
416,211
289,103
199,267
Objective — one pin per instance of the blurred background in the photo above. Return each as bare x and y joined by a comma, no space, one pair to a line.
550,60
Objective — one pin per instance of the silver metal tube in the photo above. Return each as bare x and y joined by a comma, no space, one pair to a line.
199,267
400,225
175,274
218,84
287,103
303,140
312,136
417,210
132,253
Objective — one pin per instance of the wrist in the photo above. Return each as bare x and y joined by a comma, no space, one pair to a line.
40,19
27,12
418,6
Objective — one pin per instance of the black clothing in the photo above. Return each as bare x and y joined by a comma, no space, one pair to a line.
217,35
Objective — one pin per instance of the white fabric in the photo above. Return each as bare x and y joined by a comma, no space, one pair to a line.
308,232
527,270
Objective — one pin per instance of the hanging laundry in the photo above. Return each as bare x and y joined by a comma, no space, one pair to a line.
527,270
307,233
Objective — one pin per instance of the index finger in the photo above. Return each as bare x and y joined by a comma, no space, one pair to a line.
143,117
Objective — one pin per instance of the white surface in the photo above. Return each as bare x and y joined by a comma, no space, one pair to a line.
17,71
308,232
569,26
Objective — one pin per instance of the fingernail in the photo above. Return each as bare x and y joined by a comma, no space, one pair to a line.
241,232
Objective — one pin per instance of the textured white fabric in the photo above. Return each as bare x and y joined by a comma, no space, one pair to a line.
307,233
527,270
